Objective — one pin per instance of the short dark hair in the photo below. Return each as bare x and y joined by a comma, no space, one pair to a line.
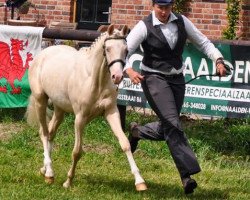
163,2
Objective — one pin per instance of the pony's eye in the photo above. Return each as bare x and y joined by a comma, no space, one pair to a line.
108,49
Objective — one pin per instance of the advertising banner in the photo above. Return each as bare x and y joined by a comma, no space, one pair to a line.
207,95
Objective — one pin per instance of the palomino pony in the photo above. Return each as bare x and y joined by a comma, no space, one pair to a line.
82,82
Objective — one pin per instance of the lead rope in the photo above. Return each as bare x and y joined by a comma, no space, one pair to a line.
228,72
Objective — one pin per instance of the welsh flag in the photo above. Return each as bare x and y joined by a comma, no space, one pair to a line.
18,46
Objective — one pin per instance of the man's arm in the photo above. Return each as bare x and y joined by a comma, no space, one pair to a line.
137,35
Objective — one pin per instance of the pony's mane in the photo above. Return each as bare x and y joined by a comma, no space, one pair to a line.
116,33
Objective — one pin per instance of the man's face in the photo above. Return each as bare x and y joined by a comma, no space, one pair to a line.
162,12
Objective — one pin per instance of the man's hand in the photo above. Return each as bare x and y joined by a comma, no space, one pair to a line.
134,76
220,67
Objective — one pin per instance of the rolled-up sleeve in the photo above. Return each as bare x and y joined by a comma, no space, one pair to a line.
136,36
201,41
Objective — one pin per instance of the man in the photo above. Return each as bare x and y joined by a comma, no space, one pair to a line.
162,35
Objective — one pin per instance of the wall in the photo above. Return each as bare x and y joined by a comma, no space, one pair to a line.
209,17
245,20
129,11
51,10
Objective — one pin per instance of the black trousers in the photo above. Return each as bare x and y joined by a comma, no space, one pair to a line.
165,95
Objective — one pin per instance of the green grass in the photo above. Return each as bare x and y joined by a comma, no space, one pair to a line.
103,172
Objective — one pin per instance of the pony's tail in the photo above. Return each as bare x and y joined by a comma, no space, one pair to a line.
31,115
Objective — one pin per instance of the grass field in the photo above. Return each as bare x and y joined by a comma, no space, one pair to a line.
222,147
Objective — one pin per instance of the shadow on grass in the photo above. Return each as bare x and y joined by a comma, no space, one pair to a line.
15,114
155,190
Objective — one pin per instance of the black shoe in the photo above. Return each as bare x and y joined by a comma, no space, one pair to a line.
133,137
188,185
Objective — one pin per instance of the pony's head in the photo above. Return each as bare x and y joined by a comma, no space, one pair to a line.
115,51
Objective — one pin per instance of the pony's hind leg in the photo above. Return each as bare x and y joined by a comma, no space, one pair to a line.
77,150
41,106
114,120
54,123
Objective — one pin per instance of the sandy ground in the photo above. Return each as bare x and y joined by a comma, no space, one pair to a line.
8,129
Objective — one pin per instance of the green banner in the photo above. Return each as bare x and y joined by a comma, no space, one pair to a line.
207,95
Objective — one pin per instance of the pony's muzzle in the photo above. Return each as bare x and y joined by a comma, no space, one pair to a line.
116,72
117,78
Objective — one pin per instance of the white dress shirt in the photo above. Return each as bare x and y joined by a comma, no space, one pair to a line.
139,33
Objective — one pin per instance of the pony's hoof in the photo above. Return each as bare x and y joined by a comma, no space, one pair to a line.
42,171
141,187
49,180
66,184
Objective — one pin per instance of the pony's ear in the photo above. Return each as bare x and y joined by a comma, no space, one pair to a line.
125,30
103,28
111,29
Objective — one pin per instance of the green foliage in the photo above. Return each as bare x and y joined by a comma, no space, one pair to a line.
180,5
233,10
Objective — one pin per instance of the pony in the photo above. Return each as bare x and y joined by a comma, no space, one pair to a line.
83,82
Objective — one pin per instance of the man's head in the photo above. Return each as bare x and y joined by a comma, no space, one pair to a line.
163,2
162,9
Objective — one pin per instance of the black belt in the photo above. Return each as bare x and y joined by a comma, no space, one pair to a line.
163,75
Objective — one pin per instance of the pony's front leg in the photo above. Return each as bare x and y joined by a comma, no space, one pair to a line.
77,151
113,119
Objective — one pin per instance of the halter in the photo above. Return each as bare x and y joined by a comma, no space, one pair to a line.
116,60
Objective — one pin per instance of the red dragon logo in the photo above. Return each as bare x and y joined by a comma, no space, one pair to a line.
11,64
